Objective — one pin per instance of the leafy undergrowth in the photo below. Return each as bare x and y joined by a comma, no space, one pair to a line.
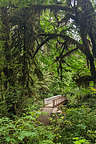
78,126
25,130
73,126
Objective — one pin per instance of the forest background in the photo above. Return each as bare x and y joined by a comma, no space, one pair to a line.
47,48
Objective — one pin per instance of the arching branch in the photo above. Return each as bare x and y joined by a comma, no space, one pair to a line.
70,41
53,36
44,42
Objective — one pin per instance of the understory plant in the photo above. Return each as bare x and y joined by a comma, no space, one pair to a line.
75,125
25,130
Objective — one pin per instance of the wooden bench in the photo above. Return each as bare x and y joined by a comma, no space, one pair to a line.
54,101
51,106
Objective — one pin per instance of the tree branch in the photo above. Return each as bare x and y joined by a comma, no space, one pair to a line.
53,36
54,7
67,54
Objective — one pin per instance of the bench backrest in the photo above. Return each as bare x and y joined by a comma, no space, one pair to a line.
54,101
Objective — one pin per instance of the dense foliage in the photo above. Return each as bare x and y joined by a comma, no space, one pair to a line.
47,48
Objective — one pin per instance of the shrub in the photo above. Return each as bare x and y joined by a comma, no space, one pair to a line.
25,130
